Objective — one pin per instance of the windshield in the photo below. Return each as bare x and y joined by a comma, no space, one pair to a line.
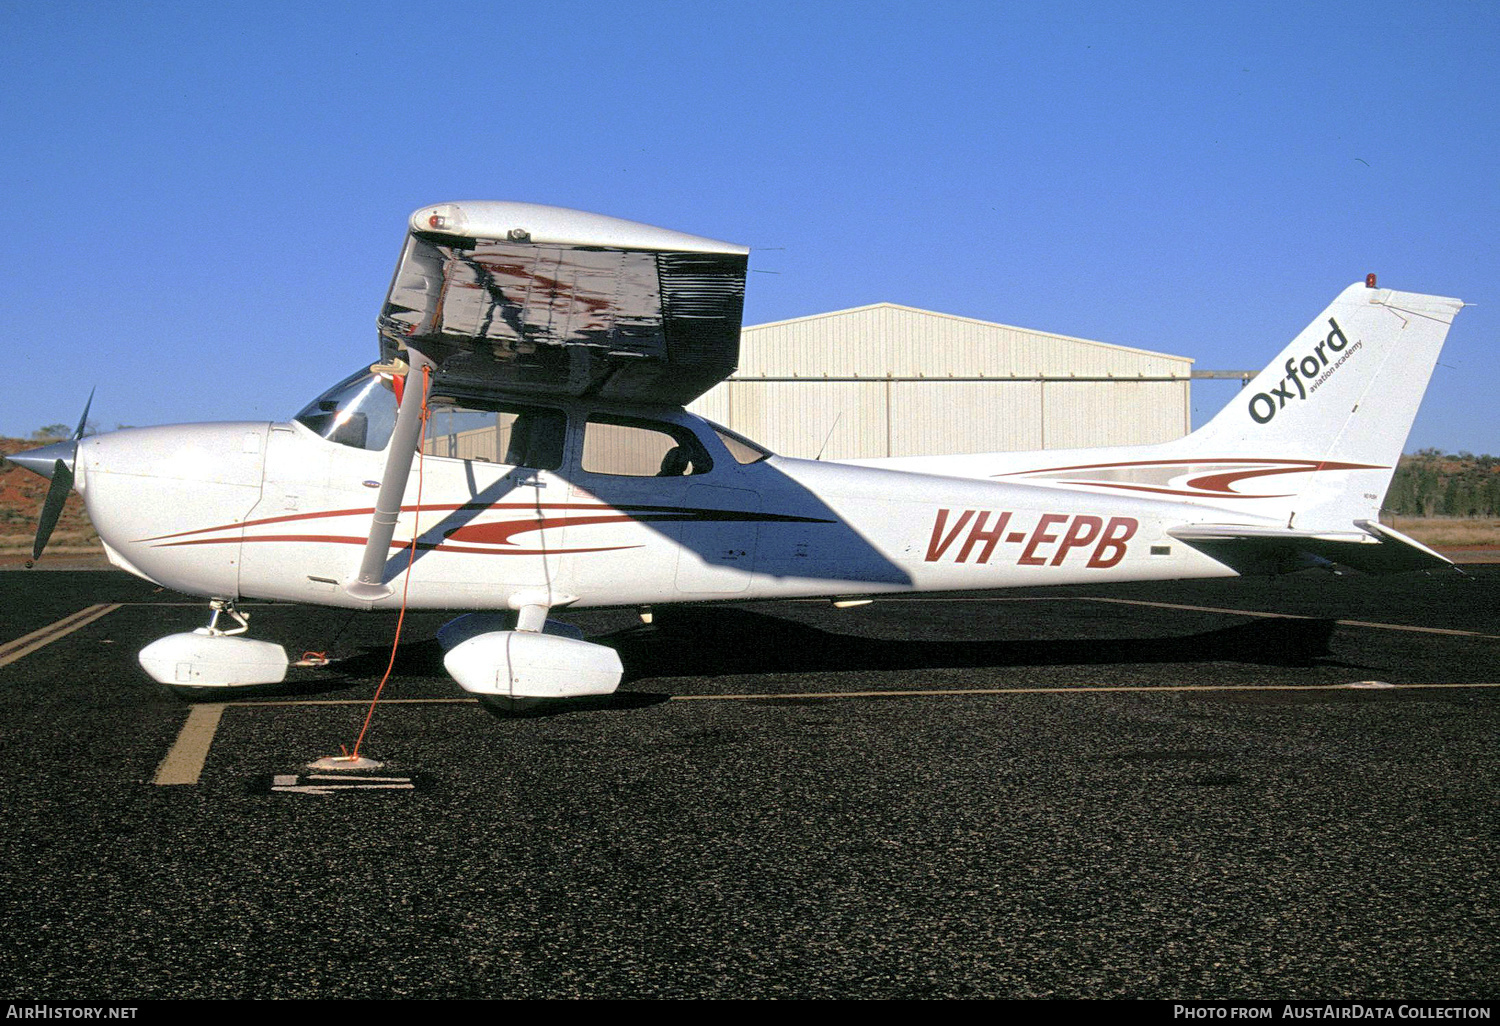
359,411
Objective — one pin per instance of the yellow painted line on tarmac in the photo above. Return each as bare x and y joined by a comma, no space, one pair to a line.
185,759
253,704
1421,630
203,603
1195,609
24,646
1071,689
184,762
1297,616
1216,609
898,693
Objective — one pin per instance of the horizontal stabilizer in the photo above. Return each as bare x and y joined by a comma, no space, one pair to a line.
1374,549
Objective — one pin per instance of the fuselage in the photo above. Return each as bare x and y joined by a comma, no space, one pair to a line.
261,510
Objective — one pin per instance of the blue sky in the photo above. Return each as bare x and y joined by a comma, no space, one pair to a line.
205,201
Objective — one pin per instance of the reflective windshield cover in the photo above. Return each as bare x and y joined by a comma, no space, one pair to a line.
359,411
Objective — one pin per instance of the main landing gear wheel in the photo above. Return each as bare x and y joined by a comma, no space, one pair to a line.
204,662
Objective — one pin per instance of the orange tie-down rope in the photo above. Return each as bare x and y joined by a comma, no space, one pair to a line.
410,559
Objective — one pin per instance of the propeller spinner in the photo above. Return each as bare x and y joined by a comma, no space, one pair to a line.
57,462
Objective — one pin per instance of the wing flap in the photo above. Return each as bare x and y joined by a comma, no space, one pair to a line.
1374,549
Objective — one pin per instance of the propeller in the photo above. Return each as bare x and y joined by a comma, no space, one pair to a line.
61,473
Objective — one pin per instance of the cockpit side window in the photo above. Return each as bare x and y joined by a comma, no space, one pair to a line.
519,436
627,447
359,411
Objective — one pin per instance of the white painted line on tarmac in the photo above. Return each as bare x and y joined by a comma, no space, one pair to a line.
185,759
287,784
24,646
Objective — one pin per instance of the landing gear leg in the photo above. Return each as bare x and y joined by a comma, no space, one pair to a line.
532,617
219,607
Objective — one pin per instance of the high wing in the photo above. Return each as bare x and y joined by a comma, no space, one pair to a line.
494,298
524,298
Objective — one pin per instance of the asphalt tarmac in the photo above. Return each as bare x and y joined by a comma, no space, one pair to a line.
1017,794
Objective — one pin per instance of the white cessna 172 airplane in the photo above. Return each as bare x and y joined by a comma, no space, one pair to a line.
525,423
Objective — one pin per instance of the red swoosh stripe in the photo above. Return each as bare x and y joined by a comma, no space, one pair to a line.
397,545
1218,484
492,538
685,512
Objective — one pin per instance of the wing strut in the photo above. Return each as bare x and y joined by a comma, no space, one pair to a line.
370,585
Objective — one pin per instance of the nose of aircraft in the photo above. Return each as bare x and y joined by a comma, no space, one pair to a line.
44,460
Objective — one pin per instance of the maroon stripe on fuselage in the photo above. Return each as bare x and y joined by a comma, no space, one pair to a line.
328,539
1218,484
628,511
1193,460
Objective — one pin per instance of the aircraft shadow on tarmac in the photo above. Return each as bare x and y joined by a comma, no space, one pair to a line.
713,641
708,642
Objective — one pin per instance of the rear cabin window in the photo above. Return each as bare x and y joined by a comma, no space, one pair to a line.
640,448
518,436
741,448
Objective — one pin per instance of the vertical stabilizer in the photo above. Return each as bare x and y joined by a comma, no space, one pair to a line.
1343,397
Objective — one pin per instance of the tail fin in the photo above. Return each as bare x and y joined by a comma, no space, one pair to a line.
1334,408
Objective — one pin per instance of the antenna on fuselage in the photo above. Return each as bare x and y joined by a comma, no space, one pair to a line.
829,435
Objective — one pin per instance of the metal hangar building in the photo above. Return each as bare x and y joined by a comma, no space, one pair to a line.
890,380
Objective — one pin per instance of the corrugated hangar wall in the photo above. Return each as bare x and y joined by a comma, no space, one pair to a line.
889,380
